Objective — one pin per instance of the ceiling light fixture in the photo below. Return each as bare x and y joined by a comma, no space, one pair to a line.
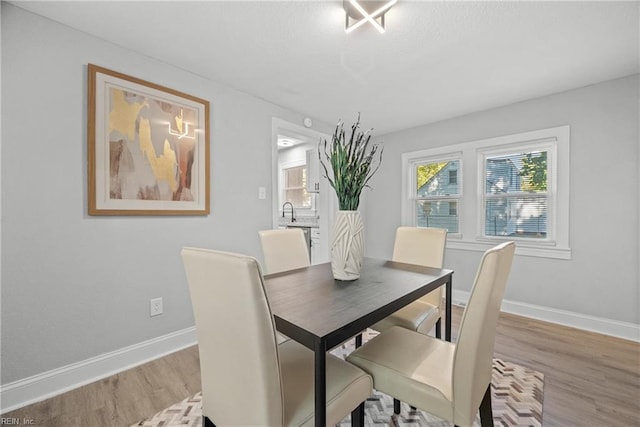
285,142
357,13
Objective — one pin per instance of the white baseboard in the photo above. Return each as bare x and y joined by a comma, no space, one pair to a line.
628,331
48,384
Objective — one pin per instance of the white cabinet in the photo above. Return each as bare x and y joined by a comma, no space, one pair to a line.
313,171
316,254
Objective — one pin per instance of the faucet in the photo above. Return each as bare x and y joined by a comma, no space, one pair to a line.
293,218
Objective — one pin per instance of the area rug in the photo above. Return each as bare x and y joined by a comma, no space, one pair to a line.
517,394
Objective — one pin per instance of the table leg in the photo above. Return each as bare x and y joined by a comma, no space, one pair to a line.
320,384
357,416
447,303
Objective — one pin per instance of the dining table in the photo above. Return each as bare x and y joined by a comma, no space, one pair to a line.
320,312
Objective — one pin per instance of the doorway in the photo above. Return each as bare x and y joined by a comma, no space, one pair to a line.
322,205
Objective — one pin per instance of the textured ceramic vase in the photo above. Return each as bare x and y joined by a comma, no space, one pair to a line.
347,245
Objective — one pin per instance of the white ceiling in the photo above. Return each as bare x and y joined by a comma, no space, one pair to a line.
436,60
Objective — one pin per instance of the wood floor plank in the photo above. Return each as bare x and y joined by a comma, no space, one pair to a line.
590,380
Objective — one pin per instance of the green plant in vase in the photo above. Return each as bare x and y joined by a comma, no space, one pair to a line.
353,162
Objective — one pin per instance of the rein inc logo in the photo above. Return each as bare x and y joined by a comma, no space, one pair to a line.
12,421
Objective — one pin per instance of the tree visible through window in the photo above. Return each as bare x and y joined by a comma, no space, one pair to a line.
534,171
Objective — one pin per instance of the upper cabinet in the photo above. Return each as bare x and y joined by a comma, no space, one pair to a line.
313,171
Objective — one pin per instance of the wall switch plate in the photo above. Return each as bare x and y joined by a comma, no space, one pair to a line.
155,307
262,193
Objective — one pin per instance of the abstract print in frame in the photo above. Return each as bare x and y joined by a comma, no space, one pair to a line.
148,148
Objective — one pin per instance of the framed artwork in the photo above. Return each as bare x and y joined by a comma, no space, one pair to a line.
148,148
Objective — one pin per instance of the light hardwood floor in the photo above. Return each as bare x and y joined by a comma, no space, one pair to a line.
590,380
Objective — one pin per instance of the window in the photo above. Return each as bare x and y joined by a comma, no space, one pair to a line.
513,187
295,187
436,192
453,176
515,195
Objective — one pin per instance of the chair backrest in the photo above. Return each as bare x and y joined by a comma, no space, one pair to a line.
421,246
474,349
236,339
284,249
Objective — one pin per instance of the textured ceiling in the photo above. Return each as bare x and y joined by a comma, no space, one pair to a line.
436,60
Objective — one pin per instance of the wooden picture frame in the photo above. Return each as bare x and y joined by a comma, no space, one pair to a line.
148,148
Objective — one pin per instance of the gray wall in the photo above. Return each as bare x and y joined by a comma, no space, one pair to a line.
75,286
601,279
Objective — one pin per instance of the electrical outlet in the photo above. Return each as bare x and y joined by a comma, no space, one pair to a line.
155,307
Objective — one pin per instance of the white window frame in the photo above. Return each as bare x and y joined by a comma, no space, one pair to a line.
413,184
471,206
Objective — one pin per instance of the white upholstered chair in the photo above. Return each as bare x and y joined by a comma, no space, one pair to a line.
421,246
247,378
284,249
449,380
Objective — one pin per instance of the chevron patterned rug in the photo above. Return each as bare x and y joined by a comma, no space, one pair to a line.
516,398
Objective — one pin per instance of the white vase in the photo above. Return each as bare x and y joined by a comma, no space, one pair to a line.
347,245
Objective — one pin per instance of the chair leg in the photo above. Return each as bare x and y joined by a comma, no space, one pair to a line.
486,413
439,328
206,422
396,407
357,416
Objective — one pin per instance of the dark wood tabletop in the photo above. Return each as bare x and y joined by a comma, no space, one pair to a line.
309,304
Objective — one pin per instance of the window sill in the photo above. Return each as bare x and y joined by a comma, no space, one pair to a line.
525,249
